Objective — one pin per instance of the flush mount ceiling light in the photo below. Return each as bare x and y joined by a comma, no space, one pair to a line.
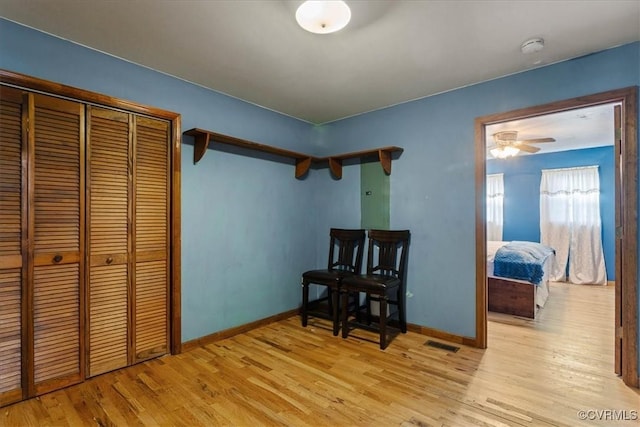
323,16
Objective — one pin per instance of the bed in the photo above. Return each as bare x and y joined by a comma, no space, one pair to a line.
509,290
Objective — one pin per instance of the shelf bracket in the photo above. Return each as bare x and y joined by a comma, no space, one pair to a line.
385,160
335,166
302,166
201,144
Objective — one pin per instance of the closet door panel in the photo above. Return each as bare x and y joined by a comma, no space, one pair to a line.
108,319
151,238
56,325
151,309
56,224
151,187
11,258
10,175
109,210
10,335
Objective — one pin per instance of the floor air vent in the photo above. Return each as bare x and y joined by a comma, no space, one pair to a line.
442,346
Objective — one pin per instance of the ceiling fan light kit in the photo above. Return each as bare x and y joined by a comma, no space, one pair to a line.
507,144
323,16
504,151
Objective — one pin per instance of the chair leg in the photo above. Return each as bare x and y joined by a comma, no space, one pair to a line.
368,303
345,312
383,322
305,300
335,313
356,305
402,314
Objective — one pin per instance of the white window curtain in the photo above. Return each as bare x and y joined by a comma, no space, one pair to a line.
570,223
495,202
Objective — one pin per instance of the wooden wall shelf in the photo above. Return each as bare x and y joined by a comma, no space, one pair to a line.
204,137
303,161
383,155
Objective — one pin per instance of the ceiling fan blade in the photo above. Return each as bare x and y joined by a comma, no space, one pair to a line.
528,148
536,140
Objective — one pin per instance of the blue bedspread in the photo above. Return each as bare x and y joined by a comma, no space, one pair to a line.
521,260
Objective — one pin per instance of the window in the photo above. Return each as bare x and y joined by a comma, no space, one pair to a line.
570,223
495,202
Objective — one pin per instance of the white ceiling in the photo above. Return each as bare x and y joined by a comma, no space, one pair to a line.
391,52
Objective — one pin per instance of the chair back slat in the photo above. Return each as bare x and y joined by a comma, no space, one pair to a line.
384,249
350,250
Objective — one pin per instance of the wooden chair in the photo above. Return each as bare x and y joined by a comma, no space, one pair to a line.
346,248
384,280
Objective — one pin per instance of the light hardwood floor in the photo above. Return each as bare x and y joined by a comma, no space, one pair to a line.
534,373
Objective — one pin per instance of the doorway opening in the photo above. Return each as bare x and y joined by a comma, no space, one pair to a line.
625,154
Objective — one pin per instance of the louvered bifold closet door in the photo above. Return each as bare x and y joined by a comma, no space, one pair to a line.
57,232
151,181
108,213
11,232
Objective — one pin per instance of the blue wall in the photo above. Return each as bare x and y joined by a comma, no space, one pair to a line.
522,176
433,185
248,226
283,223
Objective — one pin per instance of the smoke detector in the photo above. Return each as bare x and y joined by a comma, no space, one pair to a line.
532,45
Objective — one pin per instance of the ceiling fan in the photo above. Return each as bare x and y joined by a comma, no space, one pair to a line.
507,144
